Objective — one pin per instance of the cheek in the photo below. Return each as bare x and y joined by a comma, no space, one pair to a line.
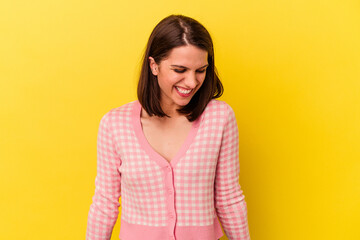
201,79
167,80
170,78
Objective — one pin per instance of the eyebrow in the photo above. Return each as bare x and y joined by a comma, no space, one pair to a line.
179,66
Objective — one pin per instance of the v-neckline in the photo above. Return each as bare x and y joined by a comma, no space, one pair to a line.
154,155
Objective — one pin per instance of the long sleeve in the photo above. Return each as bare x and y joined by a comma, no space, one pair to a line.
230,202
104,211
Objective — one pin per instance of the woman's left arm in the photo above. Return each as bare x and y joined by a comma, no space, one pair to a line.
230,202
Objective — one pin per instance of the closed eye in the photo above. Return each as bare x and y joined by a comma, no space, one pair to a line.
182,71
179,71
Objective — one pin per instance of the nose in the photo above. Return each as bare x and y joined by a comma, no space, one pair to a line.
190,80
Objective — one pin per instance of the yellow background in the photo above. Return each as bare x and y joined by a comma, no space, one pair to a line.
291,71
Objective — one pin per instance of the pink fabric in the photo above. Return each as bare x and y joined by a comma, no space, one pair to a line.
184,199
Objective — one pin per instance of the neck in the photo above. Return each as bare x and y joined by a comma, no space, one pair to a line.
170,110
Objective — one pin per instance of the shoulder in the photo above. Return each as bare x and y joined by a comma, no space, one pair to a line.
218,113
219,108
118,115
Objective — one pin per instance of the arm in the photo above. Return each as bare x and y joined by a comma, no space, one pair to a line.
229,199
104,211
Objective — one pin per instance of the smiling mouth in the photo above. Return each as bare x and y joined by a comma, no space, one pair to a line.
183,91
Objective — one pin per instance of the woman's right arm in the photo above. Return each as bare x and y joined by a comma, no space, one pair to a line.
104,211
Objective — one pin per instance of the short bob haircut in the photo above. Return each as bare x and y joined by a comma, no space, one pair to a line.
171,32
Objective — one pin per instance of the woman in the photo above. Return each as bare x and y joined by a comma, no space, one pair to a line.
172,155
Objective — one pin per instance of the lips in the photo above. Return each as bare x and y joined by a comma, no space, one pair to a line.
183,91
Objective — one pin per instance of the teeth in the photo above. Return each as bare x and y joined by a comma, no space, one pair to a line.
183,91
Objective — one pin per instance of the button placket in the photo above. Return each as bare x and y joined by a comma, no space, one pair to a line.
170,195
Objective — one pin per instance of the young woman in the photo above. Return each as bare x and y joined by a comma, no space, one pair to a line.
172,155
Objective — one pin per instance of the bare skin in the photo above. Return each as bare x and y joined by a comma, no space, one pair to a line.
165,135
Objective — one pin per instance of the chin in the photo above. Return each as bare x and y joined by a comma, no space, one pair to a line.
182,105
183,102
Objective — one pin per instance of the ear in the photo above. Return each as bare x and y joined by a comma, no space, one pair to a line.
153,66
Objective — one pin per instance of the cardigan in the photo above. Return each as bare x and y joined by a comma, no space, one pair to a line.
184,199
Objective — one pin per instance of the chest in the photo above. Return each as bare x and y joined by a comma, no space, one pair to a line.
166,139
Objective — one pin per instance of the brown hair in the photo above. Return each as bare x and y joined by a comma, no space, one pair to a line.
175,31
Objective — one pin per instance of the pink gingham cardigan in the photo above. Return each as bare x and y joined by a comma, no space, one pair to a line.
184,199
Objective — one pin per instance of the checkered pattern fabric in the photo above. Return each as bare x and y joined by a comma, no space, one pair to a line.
182,199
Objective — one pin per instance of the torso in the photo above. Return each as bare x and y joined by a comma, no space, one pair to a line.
166,135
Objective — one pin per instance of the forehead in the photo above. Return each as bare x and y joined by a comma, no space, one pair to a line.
188,55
